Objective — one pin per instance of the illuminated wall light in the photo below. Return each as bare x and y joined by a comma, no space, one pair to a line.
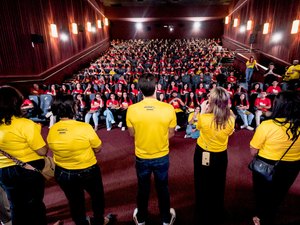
53,30
74,28
99,24
249,24
276,37
226,19
93,29
295,27
139,26
89,26
105,21
196,25
266,28
243,29
64,37
235,22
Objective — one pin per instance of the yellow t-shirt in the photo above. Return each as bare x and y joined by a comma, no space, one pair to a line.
151,120
191,116
290,75
272,141
251,64
212,139
72,143
20,139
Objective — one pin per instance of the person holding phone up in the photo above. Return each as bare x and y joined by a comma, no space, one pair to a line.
216,124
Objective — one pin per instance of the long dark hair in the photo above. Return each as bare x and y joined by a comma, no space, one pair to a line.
286,111
63,106
11,100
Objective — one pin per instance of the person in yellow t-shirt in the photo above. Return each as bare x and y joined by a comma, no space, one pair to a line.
74,145
292,76
22,139
191,131
271,140
216,124
250,64
151,123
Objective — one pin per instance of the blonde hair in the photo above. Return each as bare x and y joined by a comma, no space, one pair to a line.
219,106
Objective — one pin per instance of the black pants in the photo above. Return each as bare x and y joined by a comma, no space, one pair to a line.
269,195
74,183
210,186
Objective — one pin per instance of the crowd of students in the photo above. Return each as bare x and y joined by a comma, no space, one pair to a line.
185,72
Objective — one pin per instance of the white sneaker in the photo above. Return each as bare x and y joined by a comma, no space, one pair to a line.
113,122
108,129
173,217
135,218
177,128
123,129
243,126
120,124
187,136
249,128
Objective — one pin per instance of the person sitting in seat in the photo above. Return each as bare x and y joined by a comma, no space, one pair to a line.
97,105
242,106
262,104
191,131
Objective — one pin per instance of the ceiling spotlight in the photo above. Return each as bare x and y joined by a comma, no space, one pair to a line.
242,28
196,25
64,37
171,28
276,37
139,26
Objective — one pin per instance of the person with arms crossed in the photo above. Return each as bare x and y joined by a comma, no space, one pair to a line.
151,123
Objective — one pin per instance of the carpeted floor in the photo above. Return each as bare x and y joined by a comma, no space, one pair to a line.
120,184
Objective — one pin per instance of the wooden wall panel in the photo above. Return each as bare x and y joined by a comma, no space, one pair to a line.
280,14
20,18
156,29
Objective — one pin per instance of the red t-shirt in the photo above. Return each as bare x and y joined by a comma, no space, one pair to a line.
262,103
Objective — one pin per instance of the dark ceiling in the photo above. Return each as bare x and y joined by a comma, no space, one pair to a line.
122,3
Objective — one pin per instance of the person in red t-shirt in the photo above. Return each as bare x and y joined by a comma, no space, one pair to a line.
274,89
97,105
111,108
177,103
124,102
231,79
263,105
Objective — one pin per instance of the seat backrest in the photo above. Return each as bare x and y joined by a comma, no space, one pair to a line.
45,104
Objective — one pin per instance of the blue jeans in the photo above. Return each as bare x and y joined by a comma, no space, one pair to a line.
74,183
95,118
25,192
159,167
249,72
189,131
109,118
246,117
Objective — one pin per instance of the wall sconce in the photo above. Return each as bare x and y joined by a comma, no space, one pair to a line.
295,27
266,28
235,22
89,26
226,19
53,30
249,24
74,28
99,24
105,21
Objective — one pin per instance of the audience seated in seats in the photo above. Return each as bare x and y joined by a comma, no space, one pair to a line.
161,97
177,104
200,90
124,103
78,89
191,130
96,108
232,79
184,92
52,90
191,102
89,89
64,90
263,106
111,111
28,108
242,108
273,90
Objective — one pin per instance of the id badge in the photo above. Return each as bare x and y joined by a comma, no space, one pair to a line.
205,158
